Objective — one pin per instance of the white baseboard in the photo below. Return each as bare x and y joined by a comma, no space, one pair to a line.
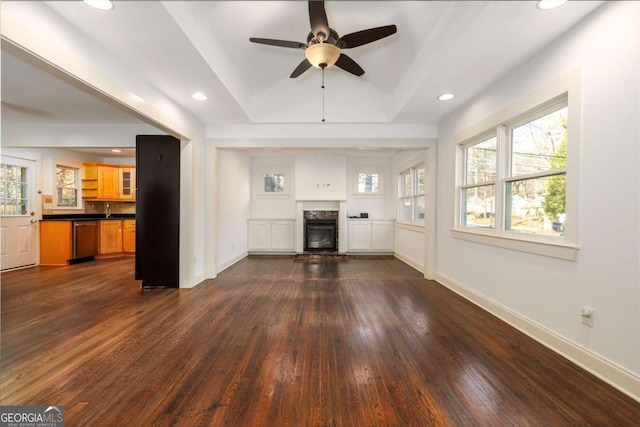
198,278
370,253
228,263
272,253
413,263
618,377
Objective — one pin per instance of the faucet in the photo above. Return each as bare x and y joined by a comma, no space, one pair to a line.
108,211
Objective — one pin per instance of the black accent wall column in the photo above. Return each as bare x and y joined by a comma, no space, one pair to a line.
158,211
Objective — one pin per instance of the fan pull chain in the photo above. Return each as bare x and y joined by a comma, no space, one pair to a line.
322,93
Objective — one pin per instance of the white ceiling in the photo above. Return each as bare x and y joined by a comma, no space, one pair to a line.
179,47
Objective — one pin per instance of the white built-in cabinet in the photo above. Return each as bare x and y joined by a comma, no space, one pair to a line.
371,235
271,235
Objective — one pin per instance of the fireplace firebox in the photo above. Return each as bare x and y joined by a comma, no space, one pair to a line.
320,231
320,235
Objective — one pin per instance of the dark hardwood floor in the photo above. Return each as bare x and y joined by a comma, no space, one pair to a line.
278,342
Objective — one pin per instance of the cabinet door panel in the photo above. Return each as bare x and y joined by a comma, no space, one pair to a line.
129,235
259,238
55,242
282,235
108,182
110,236
382,235
127,179
359,235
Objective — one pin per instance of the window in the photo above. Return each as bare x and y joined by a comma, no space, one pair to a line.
274,182
67,186
14,190
513,179
479,188
411,183
368,182
536,184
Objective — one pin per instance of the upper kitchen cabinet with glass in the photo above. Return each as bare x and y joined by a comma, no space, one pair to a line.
108,182
127,183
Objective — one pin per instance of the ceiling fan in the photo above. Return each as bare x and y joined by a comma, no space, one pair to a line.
323,46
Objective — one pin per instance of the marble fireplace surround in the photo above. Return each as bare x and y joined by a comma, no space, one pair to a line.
321,205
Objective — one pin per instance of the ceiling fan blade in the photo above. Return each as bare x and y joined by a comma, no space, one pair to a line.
366,36
301,68
318,19
279,43
349,65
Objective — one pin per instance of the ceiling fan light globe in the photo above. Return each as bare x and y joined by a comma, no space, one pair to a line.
322,55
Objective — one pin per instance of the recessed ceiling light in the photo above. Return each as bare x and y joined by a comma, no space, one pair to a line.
446,96
100,4
199,96
115,150
550,4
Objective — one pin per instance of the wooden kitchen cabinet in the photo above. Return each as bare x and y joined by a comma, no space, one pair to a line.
129,235
55,242
108,182
127,183
90,181
110,240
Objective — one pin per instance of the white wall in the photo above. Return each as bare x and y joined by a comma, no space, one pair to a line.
321,177
233,211
266,206
378,207
546,294
74,135
324,166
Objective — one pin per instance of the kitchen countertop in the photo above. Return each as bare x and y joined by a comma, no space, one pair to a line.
85,217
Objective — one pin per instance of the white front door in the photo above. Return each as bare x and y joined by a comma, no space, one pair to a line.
18,224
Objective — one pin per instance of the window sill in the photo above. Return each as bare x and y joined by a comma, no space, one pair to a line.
413,227
273,196
368,195
554,250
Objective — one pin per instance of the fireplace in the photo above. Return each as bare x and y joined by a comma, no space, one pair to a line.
320,231
320,235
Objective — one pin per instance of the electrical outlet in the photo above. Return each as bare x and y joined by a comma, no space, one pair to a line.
587,316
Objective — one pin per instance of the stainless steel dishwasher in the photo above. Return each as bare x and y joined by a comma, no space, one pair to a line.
84,240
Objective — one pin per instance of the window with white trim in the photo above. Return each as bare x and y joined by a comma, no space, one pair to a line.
535,188
368,181
513,178
67,180
411,190
478,191
274,182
